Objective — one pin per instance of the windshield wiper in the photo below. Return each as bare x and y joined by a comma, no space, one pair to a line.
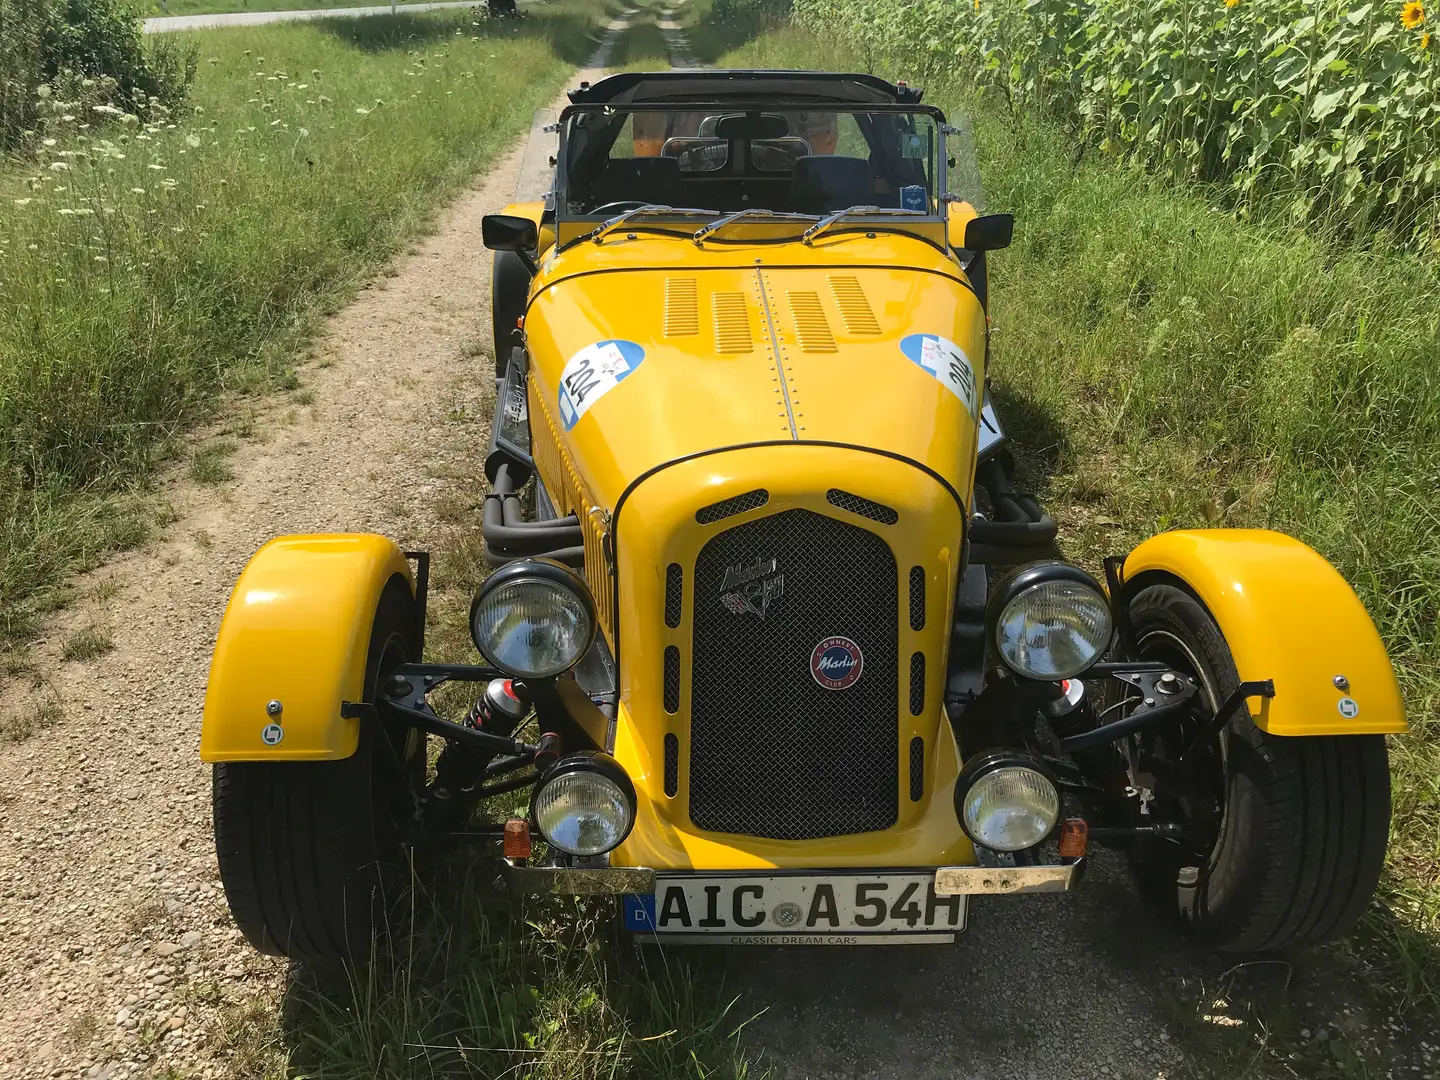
751,211
840,215
599,232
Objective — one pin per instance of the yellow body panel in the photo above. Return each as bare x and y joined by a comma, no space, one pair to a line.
296,630
721,328
762,366
1287,615
658,527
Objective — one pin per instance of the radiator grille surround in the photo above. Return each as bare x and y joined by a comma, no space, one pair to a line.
773,753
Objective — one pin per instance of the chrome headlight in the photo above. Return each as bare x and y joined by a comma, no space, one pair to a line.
533,619
1006,803
585,805
1053,621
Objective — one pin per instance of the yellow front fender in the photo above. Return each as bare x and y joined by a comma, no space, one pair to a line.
296,631
1287,615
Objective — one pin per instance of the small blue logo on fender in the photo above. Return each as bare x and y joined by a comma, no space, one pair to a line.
592,373
836,663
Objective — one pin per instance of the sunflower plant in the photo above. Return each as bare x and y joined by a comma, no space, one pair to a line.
1320,112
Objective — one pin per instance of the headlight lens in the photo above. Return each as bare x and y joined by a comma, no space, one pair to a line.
1053,630
533,625
1010,808
583,809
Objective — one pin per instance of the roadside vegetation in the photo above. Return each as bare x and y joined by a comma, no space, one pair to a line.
1164,363
1320,113
158,251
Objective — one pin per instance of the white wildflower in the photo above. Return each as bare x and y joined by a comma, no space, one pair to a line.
47,142
137,190
304,132
129,119
42,91
23,202
192,141
65,210
362,111
59,166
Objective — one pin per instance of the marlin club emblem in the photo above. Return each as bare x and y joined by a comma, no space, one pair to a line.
751,587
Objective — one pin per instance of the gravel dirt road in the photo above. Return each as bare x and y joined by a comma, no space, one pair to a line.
117,953
164,24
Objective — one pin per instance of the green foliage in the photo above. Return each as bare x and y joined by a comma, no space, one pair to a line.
83,58
150,265
1318,112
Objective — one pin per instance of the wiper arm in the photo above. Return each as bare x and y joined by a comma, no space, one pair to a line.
840,215
750,211
599,232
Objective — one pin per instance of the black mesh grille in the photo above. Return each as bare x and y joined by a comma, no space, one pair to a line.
864,507
674,586
750,500
917,769
672,679
917,684
672,765
917,598
772,752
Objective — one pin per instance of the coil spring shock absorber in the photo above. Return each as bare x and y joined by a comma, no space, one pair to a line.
460,770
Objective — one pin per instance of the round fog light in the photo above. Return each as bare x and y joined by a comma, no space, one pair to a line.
1009,808
585,805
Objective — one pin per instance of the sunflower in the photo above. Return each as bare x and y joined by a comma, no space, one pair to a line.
1425,41
1232,3
1412,14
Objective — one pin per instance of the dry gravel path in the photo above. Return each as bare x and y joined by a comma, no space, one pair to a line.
165,24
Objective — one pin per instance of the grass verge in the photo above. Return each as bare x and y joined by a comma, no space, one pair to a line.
149,265
1164,366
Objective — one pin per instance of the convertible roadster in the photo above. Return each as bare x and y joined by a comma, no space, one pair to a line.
773,641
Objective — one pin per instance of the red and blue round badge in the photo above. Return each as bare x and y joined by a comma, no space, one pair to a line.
836,663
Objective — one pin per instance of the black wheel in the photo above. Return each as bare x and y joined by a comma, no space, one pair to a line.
310,852
1286,835
509,289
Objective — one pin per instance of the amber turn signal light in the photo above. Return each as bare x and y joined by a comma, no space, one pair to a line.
517,838
1074,834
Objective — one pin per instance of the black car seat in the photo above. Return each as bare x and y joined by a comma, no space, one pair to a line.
641,179
827,182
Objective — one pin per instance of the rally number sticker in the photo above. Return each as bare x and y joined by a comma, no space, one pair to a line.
592,373
948,363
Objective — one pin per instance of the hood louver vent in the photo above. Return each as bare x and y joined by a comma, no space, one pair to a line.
811,326
854,308
682,307
732,324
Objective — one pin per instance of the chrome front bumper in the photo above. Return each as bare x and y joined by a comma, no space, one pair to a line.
1006,880
949,880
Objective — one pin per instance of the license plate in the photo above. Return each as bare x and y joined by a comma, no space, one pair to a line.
796,909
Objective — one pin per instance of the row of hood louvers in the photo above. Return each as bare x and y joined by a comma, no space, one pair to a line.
731,314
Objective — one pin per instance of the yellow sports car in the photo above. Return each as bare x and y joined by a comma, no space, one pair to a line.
773,641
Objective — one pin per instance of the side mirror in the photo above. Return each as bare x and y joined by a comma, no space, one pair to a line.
506,232
988,233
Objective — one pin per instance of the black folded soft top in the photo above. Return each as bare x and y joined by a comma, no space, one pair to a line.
705,86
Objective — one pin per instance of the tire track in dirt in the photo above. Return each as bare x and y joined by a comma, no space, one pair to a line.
117,952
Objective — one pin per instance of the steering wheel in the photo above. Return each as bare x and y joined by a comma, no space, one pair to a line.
620,207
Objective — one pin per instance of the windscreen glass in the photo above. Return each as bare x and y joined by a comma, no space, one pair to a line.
722,160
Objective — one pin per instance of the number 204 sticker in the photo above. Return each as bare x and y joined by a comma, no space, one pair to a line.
948,363
592,373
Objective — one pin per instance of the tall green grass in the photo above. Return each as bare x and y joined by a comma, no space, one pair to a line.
153,261
1162,366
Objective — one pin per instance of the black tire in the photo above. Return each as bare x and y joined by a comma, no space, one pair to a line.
310,853
1302,821
509,290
